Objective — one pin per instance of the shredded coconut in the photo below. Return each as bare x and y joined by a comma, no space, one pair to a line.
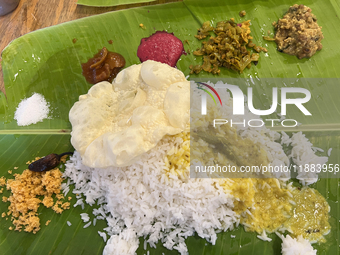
28,191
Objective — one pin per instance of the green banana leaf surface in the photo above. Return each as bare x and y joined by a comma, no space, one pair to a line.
48,61
106,3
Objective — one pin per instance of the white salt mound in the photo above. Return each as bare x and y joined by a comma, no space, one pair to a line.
31,110
296,246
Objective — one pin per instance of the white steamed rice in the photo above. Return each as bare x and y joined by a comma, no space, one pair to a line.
141,201
296,246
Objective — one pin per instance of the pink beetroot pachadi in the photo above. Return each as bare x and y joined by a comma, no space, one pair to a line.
161,46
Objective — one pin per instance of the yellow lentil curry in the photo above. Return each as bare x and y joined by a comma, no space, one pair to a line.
264,204
268,204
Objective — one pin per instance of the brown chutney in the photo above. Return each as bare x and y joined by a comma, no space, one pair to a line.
104,66
298,33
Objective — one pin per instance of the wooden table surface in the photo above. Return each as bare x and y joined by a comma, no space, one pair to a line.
31,15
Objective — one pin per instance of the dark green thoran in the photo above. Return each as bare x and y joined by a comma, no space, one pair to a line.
227,49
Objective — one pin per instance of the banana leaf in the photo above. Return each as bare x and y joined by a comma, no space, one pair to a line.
106,3
47,61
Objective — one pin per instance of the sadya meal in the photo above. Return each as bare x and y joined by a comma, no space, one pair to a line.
131,134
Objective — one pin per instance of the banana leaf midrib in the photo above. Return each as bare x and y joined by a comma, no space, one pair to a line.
36,132
302,128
